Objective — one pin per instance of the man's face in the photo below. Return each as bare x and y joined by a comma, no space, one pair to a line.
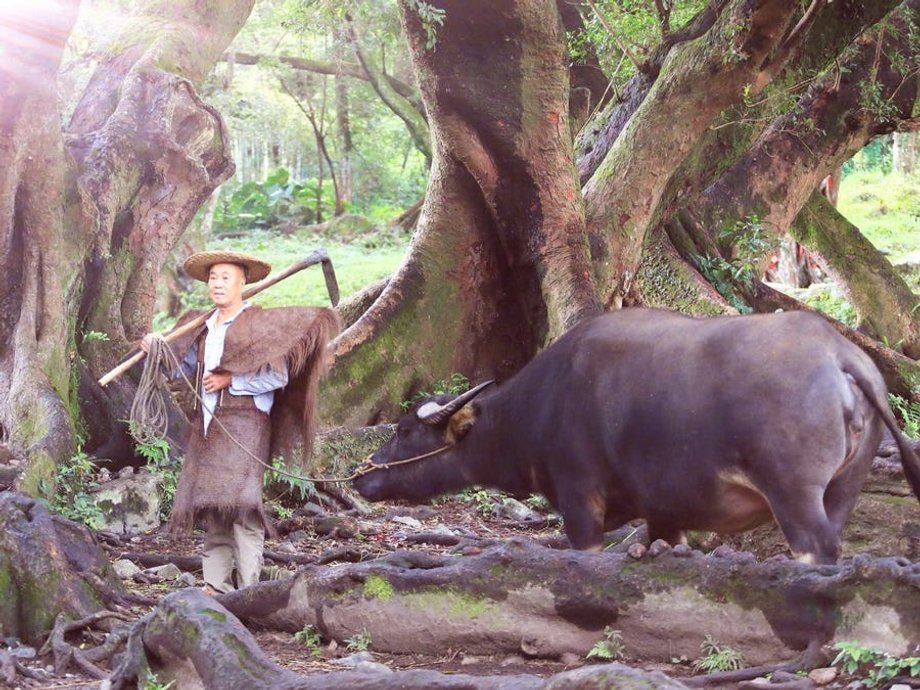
225,284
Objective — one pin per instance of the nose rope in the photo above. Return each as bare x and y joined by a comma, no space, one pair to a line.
166,353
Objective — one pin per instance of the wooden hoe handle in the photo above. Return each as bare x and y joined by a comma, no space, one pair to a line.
315,257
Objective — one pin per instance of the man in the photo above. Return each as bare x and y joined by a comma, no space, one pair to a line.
240,359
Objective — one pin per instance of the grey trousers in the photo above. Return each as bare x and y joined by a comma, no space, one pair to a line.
233,545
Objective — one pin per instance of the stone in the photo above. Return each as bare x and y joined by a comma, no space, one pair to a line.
126,472
658,547
125,569
186,580
407,520
353,660
514,509
682,551
636,550
372,667
169,571
823,676
131,504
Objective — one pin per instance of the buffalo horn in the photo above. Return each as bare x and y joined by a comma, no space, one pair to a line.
432,413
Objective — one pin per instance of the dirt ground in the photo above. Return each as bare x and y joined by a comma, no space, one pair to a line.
325,532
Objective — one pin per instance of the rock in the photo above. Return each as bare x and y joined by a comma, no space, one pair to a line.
407,520
353,660
514,509
372,667
658,547
186,580
570,659
170,571
125,569
511,661
682,551
823,676
126,472
723,551
130,504
22,652
636,550
469,660
899,686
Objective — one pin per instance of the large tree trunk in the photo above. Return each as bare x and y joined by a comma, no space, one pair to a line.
778,174
499,263
150,153
41,243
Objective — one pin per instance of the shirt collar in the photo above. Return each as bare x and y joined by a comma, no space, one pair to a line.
212,319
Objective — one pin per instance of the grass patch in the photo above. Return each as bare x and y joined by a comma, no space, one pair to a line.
356,266
886,208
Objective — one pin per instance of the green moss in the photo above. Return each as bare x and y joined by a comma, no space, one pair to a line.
248,663
38,480
378,587
448,602
663,282
216,615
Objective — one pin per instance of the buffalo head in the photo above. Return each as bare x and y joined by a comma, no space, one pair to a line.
427,437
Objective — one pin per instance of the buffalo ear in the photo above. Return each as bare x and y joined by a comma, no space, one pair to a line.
460,423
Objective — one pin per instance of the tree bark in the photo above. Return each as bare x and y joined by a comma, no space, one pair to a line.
522,597
41,245
776,177
150,152
698,81
191,639
499,264
48,566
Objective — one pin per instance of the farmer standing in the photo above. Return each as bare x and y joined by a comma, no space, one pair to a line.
240,360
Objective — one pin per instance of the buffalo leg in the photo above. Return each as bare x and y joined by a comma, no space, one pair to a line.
584,521
810,534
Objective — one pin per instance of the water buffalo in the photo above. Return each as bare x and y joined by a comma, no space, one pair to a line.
708,424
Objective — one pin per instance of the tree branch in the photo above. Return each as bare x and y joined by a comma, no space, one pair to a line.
348,69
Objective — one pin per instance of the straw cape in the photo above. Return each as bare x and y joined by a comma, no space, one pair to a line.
220,480
198,265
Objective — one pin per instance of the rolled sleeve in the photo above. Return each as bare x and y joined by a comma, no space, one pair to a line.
258,382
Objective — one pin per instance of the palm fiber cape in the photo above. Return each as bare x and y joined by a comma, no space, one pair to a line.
219,479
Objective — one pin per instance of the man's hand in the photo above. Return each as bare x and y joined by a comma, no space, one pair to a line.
214,382
145,342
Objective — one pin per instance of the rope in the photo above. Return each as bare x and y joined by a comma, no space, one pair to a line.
149,420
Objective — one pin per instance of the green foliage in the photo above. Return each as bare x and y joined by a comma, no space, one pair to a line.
151,682
431,18
74,477
716,657
359,642
288,482
833,305
267,204
750,242
455,385
909,412
156,453
610,647
537,502
481,498
95,337
874,666
309,636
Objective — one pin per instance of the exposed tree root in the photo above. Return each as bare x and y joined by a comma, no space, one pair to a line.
192,639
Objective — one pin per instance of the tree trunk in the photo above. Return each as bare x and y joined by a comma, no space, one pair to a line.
698,81
346,147
42,245
498,266
904,153
193,640
775,178
150,152
48,566
522,597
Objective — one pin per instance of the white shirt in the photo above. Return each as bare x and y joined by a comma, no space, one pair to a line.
261,384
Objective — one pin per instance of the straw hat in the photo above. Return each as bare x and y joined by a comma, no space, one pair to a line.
198,265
